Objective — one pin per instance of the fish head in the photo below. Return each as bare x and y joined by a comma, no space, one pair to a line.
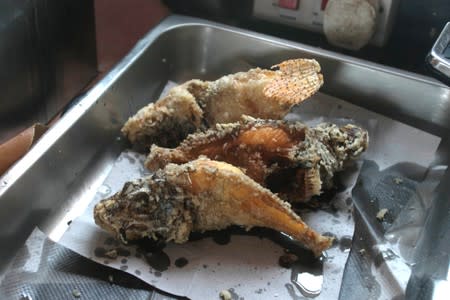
128,213
347,142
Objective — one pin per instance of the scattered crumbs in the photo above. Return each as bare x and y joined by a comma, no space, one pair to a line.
110,278
69,222
124,268
362,251
205,266
398,180
225,295
137,272
259,291
381,213
287,260
111,254
124,261
76,293
158,274
106,261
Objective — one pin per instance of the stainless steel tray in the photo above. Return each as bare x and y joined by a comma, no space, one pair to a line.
64,169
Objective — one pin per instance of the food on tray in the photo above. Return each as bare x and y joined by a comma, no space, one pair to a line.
197,104
197,196
291,159
231,171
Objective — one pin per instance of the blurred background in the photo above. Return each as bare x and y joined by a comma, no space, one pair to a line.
51,52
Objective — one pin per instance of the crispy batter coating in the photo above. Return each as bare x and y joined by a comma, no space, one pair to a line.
291,159
198,196
197,104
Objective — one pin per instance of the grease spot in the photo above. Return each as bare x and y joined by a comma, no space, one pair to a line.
221,237
109,241
348,201
181,262
159,261
123,252
345,243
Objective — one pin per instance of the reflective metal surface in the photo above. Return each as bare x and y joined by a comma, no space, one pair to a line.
439,57
47,54
431,275
67,165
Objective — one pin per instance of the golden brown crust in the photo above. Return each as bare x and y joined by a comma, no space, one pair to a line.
298,81
166,121
198,196
259,93
296,161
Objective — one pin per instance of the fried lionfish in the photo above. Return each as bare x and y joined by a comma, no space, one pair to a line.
291,159
198,196
197,104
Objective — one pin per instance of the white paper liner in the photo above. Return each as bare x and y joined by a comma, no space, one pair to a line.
248,266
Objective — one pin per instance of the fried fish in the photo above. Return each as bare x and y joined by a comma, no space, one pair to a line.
197,104
198,196
290,158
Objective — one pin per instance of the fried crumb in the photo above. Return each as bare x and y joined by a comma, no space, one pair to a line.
111,254
225,295
176,206
381,214
76,293
196,104
362,251
398,180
